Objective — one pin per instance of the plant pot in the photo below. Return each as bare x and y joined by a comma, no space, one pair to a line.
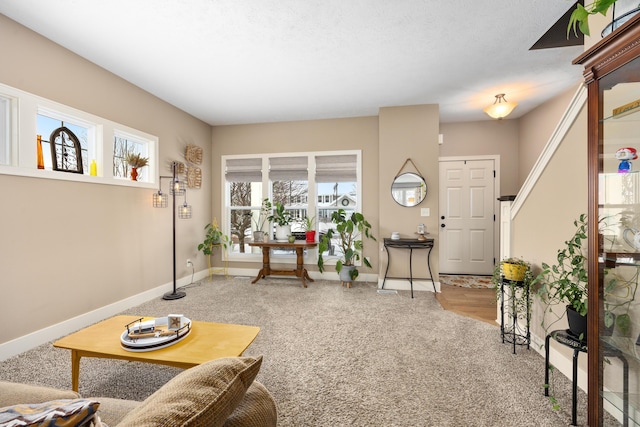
134,174
311,236
282,233
514,272
345,274
577,324
258,236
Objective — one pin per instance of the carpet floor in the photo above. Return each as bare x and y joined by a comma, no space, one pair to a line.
341,357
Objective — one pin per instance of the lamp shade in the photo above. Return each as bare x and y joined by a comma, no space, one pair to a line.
160,200
501,108
184,211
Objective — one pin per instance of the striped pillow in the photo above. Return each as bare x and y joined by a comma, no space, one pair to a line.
55,413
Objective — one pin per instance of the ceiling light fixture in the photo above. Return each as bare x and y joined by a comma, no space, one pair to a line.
500,108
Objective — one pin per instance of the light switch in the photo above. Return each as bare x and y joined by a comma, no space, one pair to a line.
425,212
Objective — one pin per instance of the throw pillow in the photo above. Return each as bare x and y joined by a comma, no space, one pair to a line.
62,413
204,395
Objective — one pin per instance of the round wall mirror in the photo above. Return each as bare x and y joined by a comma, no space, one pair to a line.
409,189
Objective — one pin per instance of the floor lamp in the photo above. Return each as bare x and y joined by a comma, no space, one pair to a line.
160,200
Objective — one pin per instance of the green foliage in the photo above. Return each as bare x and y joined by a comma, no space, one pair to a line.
280,216
580,16
265,211
309,223
350,230
213,236
566,281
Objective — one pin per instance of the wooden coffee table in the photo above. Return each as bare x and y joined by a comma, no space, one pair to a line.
206,341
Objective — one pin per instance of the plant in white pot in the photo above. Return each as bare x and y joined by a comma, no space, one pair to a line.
282,220
349,230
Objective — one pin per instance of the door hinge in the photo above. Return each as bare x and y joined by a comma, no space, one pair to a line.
494,217
494,174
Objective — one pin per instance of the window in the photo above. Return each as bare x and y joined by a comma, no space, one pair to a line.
124,145
5,129
337,181
60,153
307,184
44,139
244,198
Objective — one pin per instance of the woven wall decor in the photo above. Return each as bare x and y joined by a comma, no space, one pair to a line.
194,177
193,154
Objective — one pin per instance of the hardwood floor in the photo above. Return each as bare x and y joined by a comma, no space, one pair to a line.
478,304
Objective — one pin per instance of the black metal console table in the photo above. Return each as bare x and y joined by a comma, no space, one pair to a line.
514,333
409,244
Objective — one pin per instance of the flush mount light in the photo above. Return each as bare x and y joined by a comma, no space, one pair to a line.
500,108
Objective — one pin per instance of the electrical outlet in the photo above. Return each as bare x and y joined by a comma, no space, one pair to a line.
189,263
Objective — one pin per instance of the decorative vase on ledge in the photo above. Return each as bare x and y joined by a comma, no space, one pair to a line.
134,174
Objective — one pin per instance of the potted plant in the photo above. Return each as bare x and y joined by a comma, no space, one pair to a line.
310,228
136,161
213,237
349,230
282,220
580,16
516,273
566,282
265,210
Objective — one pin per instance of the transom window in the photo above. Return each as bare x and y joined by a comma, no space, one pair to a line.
42,138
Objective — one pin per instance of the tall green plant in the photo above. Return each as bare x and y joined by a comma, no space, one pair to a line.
350,229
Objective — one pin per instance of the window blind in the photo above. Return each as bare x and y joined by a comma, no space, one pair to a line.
338,168
244,170
288,169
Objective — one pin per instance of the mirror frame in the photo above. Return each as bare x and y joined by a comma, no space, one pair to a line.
419,181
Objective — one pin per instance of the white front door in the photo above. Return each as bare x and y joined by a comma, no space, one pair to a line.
467,216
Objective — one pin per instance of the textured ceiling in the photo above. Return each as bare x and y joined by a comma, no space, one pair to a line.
251,61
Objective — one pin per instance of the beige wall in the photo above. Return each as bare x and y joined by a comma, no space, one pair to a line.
72,247
408,132
546,218
317,135
495,137
538,126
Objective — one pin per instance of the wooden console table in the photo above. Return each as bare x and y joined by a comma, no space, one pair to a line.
409,244
298,245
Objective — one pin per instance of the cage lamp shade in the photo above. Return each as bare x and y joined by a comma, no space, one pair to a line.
500,108
184,211
160,200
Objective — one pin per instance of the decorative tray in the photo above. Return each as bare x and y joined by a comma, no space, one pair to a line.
154,334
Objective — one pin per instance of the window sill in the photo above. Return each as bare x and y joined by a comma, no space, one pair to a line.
66,176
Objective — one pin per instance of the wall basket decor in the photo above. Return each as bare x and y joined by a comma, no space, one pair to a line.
193,154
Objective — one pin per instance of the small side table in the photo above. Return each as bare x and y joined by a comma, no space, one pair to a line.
410,244
565,338
514,333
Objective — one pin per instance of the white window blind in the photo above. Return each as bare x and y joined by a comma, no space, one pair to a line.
288,169
244,170
338,168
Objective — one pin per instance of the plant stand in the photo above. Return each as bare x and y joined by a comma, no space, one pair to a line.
514,333
225,262
567,339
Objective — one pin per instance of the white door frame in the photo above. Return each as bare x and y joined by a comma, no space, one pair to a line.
496,189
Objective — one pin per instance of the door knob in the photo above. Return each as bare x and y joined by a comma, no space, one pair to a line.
442,217
442,225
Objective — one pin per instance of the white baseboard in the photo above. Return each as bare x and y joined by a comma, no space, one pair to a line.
53,332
